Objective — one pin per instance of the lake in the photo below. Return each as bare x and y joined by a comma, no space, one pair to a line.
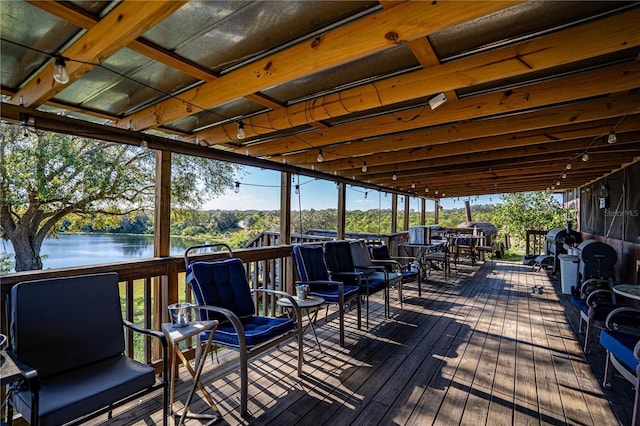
88,249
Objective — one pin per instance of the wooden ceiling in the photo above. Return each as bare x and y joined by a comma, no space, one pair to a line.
531,87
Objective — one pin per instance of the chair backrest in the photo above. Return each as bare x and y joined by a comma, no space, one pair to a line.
380,252
221,283
310,262
360,254
337,256
62,324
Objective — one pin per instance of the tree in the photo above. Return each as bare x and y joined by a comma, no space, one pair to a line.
46,176
529,210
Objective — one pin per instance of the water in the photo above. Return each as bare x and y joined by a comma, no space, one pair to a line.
88,249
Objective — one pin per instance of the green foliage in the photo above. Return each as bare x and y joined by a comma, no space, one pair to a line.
45,177
529,210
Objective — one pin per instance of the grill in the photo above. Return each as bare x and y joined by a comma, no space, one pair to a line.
555,241
597,260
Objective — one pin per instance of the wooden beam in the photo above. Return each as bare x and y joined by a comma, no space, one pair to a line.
599,82
564,150
541,53
369,35
584,119
116,30
70,13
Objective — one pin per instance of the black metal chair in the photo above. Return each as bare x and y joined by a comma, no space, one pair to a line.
67,337
341,268
409,267
222,292
313,271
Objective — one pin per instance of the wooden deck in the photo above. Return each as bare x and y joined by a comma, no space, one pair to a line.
492,345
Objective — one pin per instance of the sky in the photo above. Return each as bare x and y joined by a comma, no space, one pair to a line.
260,190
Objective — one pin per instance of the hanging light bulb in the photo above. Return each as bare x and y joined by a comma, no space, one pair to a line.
568,166
553,187
443,194
237,189
320,157
564,175
612,138
240,133
436,192
297,189
365,195
60,73
585,156
558,182
394,177
413,184
364,167
144,143
426,189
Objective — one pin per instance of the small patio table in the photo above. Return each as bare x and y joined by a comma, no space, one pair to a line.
175,335
305,305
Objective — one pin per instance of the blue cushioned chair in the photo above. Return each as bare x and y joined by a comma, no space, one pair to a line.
595,302
402,265
623,353
67,337
313,271
337,255
222,292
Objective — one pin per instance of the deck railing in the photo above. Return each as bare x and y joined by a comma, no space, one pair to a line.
535,241
148,286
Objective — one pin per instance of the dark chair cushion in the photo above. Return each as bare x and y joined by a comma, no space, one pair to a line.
77,319
380,252
73,394
257,330
338,256
330,293
375,282
310,262
580,304
224,284
621,346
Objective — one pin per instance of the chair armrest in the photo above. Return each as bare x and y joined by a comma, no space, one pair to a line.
395,265
148,332
594,283
630,314
30,374
593,294
356,276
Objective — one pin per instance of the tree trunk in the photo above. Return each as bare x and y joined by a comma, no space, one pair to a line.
27,257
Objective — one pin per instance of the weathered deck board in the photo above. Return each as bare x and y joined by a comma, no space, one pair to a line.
493,344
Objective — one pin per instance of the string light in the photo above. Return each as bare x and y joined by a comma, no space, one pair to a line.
426,189
320,157
364,167
568,166
60,73
585,156
365,195
297,191
394,177
237,189
413,184
564,175
144,143
612,138
240,133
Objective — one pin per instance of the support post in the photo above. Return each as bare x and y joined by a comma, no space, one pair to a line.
342,209
406,213
394,213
